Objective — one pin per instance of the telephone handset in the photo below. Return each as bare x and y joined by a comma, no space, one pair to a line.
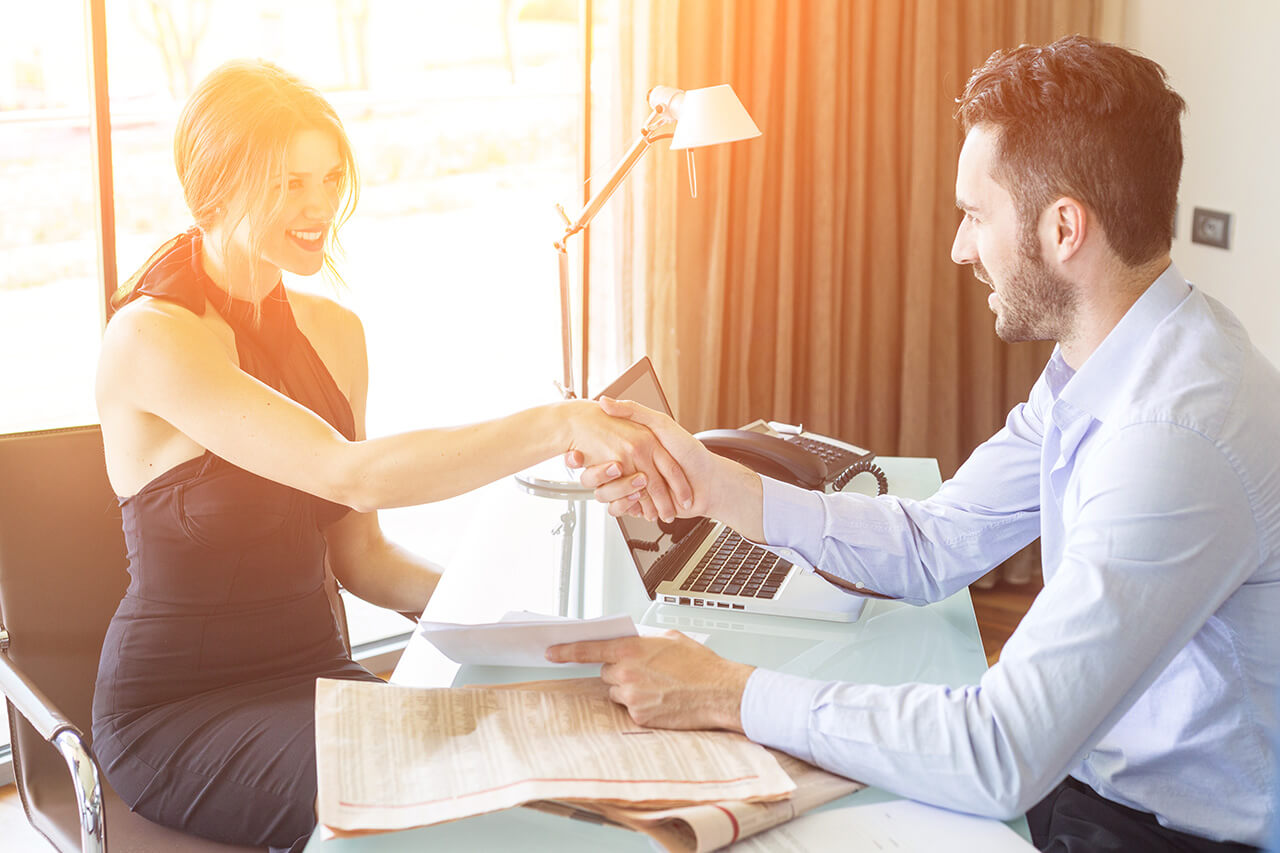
769,455
796,458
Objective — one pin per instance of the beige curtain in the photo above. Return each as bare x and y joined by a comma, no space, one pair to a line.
811,279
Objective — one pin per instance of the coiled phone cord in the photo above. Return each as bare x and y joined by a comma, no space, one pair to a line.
865,466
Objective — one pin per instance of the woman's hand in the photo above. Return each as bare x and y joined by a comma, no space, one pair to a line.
697,463
629,454
721,488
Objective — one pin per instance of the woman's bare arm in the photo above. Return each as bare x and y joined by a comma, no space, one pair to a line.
160,360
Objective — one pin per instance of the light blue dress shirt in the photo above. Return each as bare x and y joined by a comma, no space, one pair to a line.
1148,665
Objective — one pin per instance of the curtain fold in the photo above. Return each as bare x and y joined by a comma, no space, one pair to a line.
811,279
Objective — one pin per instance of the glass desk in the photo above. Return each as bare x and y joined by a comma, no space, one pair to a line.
515,564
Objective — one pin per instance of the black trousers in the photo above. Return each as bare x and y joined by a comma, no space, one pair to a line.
1074,818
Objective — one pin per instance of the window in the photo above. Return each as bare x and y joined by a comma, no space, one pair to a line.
465,118
49,291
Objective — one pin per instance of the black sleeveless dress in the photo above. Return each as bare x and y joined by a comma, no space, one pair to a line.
204,709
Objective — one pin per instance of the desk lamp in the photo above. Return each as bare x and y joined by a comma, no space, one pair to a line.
690,119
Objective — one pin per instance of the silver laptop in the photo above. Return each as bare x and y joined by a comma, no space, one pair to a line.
700,562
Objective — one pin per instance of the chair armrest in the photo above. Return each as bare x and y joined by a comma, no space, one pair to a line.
31,703
52,725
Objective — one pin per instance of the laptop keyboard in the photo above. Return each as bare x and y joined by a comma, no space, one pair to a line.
734,566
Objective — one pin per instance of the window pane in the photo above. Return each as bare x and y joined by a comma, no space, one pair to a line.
464,118
616,340
50,318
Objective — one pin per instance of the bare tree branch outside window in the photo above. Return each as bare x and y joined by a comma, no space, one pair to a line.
177,37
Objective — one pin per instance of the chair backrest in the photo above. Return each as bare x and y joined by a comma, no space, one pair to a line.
63,570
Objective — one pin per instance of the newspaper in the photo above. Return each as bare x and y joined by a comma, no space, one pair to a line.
391,757
710,826
698,827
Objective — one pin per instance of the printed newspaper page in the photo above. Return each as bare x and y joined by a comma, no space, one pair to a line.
700,827
397,757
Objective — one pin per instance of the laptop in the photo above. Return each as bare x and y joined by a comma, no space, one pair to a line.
700,562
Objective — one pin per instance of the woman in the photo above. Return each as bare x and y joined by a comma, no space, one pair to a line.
232,415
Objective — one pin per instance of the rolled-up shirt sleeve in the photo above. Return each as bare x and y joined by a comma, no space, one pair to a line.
1168,542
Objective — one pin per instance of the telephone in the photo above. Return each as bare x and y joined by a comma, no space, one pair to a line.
808,461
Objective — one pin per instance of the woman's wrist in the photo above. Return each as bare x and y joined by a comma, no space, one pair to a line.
569,418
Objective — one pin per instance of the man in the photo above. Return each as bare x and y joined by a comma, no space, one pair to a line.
1146,460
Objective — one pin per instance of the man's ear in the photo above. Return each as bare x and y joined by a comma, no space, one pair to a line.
1067,223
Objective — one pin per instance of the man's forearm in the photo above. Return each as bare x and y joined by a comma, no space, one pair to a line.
737,499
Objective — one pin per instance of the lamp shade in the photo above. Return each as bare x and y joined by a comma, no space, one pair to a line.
710,116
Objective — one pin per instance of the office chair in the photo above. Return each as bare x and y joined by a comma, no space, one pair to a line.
62,573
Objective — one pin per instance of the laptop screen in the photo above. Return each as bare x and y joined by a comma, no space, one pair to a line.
654,547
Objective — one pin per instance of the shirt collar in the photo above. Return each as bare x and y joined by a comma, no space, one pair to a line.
1093,387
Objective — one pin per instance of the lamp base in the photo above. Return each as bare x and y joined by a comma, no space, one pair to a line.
551,479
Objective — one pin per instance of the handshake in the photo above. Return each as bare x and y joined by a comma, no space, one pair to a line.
642,463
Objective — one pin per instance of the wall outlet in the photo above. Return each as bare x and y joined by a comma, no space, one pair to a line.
1211,227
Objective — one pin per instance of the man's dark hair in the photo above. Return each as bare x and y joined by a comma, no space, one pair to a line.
1089,120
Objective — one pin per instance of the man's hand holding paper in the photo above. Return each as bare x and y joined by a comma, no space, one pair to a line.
668,681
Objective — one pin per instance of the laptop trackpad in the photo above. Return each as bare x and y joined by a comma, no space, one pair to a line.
805,589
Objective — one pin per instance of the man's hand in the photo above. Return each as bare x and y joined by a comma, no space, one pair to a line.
668,682
721,488
628,452
694,459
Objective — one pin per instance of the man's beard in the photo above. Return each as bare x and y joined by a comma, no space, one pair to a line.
1036,304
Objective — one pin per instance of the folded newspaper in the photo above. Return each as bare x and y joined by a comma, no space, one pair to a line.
699,827
393,757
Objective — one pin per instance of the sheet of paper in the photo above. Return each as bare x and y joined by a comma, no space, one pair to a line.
642,630
392,757
899,825
519,642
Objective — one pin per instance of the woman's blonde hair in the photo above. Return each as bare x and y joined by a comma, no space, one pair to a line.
230,143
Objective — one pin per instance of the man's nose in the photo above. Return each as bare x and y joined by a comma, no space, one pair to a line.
963,248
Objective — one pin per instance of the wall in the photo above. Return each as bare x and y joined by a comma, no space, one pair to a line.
1222,57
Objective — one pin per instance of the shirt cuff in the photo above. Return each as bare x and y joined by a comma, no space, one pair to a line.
793,521
776,708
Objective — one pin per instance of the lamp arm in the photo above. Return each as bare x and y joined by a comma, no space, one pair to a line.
633,155
647,137
657,127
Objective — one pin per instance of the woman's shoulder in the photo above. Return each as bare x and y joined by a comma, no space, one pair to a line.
323,318
145,312
149,328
